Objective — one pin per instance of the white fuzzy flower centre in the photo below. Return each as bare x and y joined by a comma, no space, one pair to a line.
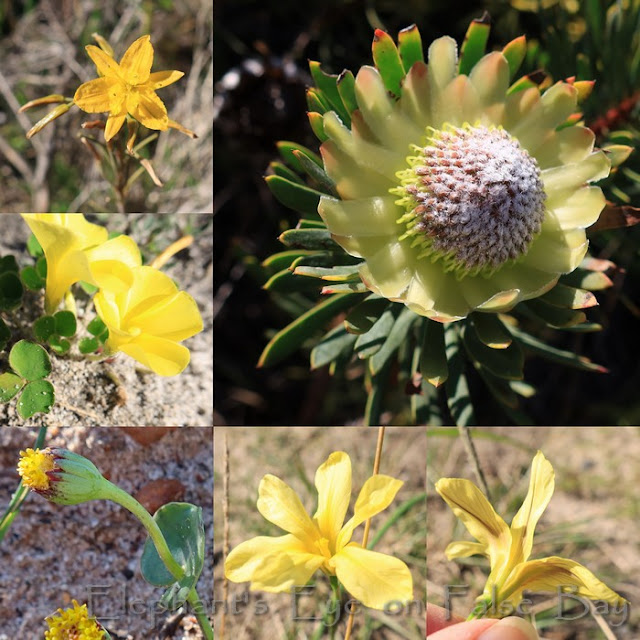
474,198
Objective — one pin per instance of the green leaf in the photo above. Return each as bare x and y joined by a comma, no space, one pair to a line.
285,281
59,345
327,84
65,323
503,363
569,297
11,291
345,287
284,259
474,44
29,360
44,327
334,345
182,528
10,385
387,60
37,397
293,195
316,173
31,279
553,316
363,316
5,334
368,343
33,247
587,279
491,330
317,125
433,356
88,288
347,89
333,274
41,267
313,239
499,388
458,397
96,327
287,148
515,52
8,263
398,335
286,341
280,169
410,47
305,223
88,345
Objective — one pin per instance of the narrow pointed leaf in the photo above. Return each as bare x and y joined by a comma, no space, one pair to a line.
586,279
284,259
456,387
317,101
317,125
474,44
333,274
296,196
286,149
327,83
410,47
387,60
433,356
498,387
398,335
347,287
515,52
368,343
281,169
336,343
312,239
286,281
491,330
569,297
289,339
316,173
347,89
553,316
364,315
503,363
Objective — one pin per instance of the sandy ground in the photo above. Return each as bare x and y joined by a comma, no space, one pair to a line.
293,454
592,517
54,553
85,393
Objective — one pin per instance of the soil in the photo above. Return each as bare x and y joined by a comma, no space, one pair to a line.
53,554
86,392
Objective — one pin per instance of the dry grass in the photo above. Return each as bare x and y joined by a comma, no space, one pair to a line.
592,517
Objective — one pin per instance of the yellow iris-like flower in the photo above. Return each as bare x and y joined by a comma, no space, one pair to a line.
76,250
128,87
149,319
509,548
324,541
75,623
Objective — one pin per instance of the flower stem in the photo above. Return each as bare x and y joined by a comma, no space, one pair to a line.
472,454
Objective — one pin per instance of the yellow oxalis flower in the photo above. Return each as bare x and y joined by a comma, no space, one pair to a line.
148,320
79,250
462,194
73,623
509,548
324,541
128,87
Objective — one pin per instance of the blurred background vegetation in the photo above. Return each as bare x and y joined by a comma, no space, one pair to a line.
42,51
261,75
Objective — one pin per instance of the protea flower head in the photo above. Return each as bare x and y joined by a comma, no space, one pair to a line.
448,194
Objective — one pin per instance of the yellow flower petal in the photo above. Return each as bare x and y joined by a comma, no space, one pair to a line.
478,516
547,574
160,79
376,579
279,503
375,496
272,564
105,64
147,108
162,356
463,549
111,263
541,486
174,317
114,124
333,482
95,96
135,65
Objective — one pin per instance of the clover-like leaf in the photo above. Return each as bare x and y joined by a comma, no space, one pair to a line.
11,290
44,327
65,323
29,360
96,327
37,397
33,247
31,279
41,267
58,344
5,334
8,263
182,527
10,385
88,345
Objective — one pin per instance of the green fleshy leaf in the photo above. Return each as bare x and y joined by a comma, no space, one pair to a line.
29,360
364,315
59,345
586,279
41,267
334,274
433,356
556,355
317,101
289,339
293,195
456,387
31,279
347,287
37,397
317,125
410,47
316,173
503,363
398,335
65,323
368,343
182,527
474,44
327,84
305,223
5,334
284,259
286,149
491,330
515,52
569,297
44,328
337,343
312,239
498,387
553,316
11,291
8,264
33,247
347,89
88,345
285,282
387,60
10,385
313,259
281,169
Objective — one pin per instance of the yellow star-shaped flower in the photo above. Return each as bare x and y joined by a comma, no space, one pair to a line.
509,548
324,541
128,87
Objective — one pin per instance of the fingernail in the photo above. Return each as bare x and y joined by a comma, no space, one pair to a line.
510,629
